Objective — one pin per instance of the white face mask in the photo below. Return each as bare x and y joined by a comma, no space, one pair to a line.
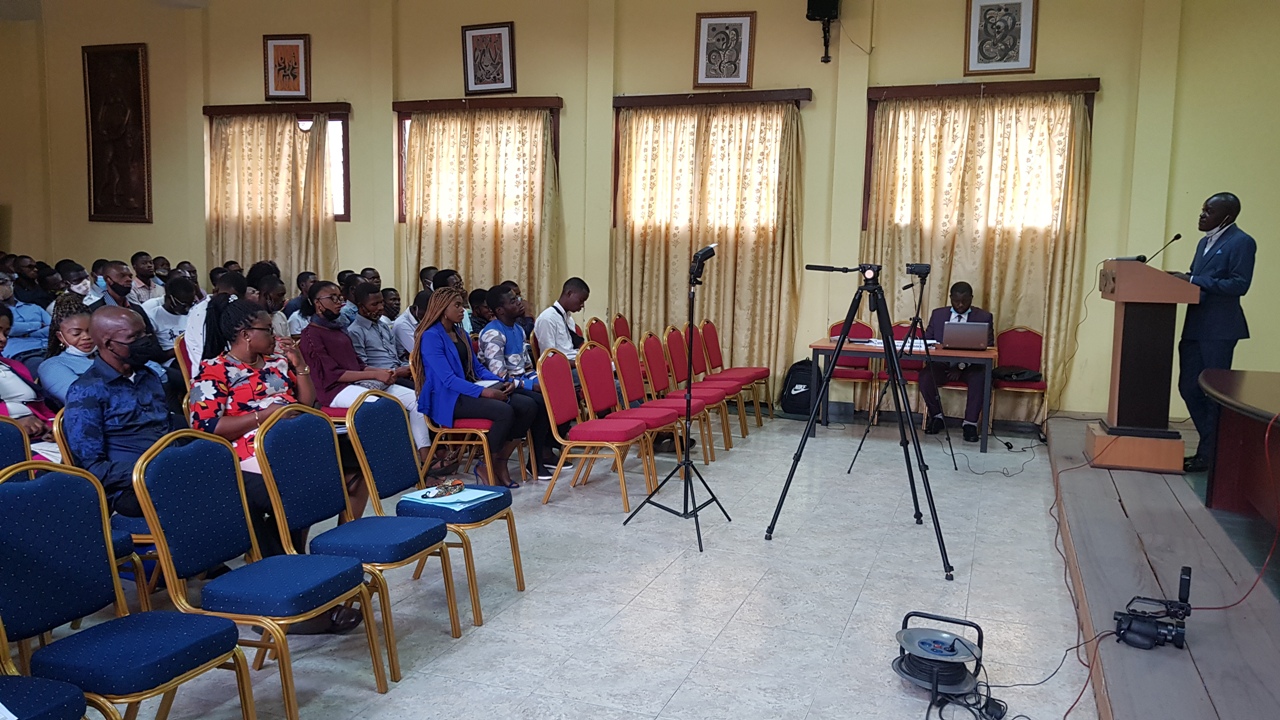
76,352
80,288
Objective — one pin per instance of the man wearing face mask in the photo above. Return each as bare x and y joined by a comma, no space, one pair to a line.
117,409
30,333
169,313
76,279
119,285
1223,268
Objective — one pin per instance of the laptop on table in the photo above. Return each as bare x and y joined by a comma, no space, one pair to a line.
965,336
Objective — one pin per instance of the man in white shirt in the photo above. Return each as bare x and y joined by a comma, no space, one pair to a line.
555,327
169,313
406,325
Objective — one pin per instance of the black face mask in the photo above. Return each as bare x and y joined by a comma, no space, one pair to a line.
138,352
330,315
120,290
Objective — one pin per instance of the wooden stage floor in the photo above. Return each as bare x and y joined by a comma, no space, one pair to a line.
1129,533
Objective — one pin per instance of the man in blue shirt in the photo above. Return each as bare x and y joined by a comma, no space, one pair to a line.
29,337
117,409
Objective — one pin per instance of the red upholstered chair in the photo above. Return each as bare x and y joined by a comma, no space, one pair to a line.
910,368
660,388
184,361
678,364
856,370
727,380
598,333
1022,347
595,373
467,434
706,340
626,359
588,440
621,327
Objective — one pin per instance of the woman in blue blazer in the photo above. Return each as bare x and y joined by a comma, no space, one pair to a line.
447,375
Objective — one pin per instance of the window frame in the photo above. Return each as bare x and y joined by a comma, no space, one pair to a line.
340,111
404,110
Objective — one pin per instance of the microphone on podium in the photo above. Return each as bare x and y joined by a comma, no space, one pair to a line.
1144,258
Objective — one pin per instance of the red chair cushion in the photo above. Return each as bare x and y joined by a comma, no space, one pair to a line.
744,375
1039,385
844,373
472,424
908,375
677,404
335,413
709,395
607,430
730,387
652,417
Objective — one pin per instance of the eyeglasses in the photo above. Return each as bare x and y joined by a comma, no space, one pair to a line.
327,298
266,329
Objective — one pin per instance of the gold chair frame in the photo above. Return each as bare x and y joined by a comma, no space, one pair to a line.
721,408
646,453
590,451
148,584
184,362
703,418
458,529
276,627
105,704
739,400
755,386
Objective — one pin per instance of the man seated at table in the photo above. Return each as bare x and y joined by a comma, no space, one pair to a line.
937,373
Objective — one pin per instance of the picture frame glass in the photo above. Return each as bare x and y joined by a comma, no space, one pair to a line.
488,59
1001,36
724,50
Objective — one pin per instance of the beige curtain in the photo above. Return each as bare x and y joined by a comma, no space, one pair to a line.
991,191
482,196
269,194
692,176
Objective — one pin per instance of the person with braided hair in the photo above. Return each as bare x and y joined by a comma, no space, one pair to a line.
71,347
447,375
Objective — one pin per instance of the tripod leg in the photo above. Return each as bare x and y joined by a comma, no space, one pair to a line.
867,431
813,410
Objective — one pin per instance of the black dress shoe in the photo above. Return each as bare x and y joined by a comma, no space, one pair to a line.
1194,464
934,426
970,433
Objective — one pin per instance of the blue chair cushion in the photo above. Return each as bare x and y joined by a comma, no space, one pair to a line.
476,513
136,652
381,539
121,542
40,699
131,525
282,585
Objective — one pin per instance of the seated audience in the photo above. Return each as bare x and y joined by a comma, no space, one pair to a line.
504,349
447,373
28,330
340,377
259,271
425,276
937,373
371,275
390,304
98,288
20,399
232,266
198,346
555,327
26,282
160,264
406,325
524,320
349,309
51,285
170,311
71,348
447,278
76,279
304,283
271,297
145,285
6,263
373,340
480,312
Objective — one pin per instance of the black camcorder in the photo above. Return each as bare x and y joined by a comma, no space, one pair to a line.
918,269
1165,623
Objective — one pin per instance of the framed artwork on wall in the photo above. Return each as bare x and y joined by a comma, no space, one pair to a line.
286,67
118,124
1000,37
725,51
489,58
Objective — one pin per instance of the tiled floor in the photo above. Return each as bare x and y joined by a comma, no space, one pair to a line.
633,622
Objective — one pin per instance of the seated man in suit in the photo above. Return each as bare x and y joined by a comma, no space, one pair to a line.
1223,268
937,373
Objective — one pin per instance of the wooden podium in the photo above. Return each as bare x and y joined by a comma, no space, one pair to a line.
1136,433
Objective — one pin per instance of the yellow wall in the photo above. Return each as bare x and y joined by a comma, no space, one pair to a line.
1184,111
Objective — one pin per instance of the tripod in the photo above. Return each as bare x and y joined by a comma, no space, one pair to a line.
691,508
909,439
916,325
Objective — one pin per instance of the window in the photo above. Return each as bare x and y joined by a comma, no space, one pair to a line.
339,165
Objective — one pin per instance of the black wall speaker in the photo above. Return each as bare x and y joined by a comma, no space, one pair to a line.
823,10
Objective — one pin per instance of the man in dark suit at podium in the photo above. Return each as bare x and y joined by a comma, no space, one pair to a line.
1223,269
937,373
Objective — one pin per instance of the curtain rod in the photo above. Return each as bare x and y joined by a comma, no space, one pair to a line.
795,95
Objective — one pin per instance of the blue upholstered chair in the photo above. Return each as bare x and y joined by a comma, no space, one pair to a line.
306,486
14,446
128,535
56,565
192,494
30,698
379,429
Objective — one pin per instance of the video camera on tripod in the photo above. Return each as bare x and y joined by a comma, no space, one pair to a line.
1146,629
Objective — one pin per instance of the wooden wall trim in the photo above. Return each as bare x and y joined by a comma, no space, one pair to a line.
795,95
